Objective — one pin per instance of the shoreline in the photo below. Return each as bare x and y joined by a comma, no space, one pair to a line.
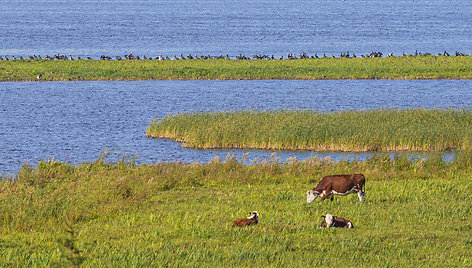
232,79
321,149
386,68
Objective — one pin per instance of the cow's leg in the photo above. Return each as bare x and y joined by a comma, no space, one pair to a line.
361,195
326,193
361,192
332,197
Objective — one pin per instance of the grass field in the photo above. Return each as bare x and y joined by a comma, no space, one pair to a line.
372,130
405,67
416,213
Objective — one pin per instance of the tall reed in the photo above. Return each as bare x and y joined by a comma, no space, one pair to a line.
373,130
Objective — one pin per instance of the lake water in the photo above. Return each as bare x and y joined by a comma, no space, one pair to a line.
76,121
118,27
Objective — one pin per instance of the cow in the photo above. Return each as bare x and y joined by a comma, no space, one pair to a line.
338,185
253,219
335,222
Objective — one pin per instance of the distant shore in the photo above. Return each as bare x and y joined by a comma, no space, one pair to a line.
399,67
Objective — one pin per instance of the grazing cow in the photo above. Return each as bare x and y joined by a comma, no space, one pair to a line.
335,222
253,219
338,185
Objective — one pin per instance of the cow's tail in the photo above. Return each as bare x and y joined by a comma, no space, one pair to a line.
363,185
361,193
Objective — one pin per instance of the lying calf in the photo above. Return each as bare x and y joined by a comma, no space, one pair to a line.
253,219
335,222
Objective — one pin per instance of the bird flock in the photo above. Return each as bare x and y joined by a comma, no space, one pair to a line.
289,56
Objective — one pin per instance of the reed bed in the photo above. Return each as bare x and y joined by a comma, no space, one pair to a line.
355,131
100,214
405,67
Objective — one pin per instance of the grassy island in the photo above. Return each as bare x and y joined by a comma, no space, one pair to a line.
417,213
403,67
356,131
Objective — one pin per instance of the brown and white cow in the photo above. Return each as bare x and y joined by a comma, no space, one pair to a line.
335,222
338,185
253,219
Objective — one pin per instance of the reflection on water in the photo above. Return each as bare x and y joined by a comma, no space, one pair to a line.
258,156
76,121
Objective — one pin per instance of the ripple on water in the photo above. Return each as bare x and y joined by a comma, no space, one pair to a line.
76,121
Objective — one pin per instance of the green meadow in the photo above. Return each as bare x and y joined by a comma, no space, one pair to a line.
417,212
404,67
359,131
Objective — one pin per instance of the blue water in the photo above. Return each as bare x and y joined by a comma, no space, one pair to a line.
118,27
76,121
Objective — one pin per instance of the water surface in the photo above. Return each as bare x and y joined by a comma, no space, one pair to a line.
76,121
118,27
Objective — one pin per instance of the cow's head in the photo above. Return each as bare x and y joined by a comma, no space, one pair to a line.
254,215
311,196
328,220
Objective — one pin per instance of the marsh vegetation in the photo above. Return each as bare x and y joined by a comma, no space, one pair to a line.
416,213
355,131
